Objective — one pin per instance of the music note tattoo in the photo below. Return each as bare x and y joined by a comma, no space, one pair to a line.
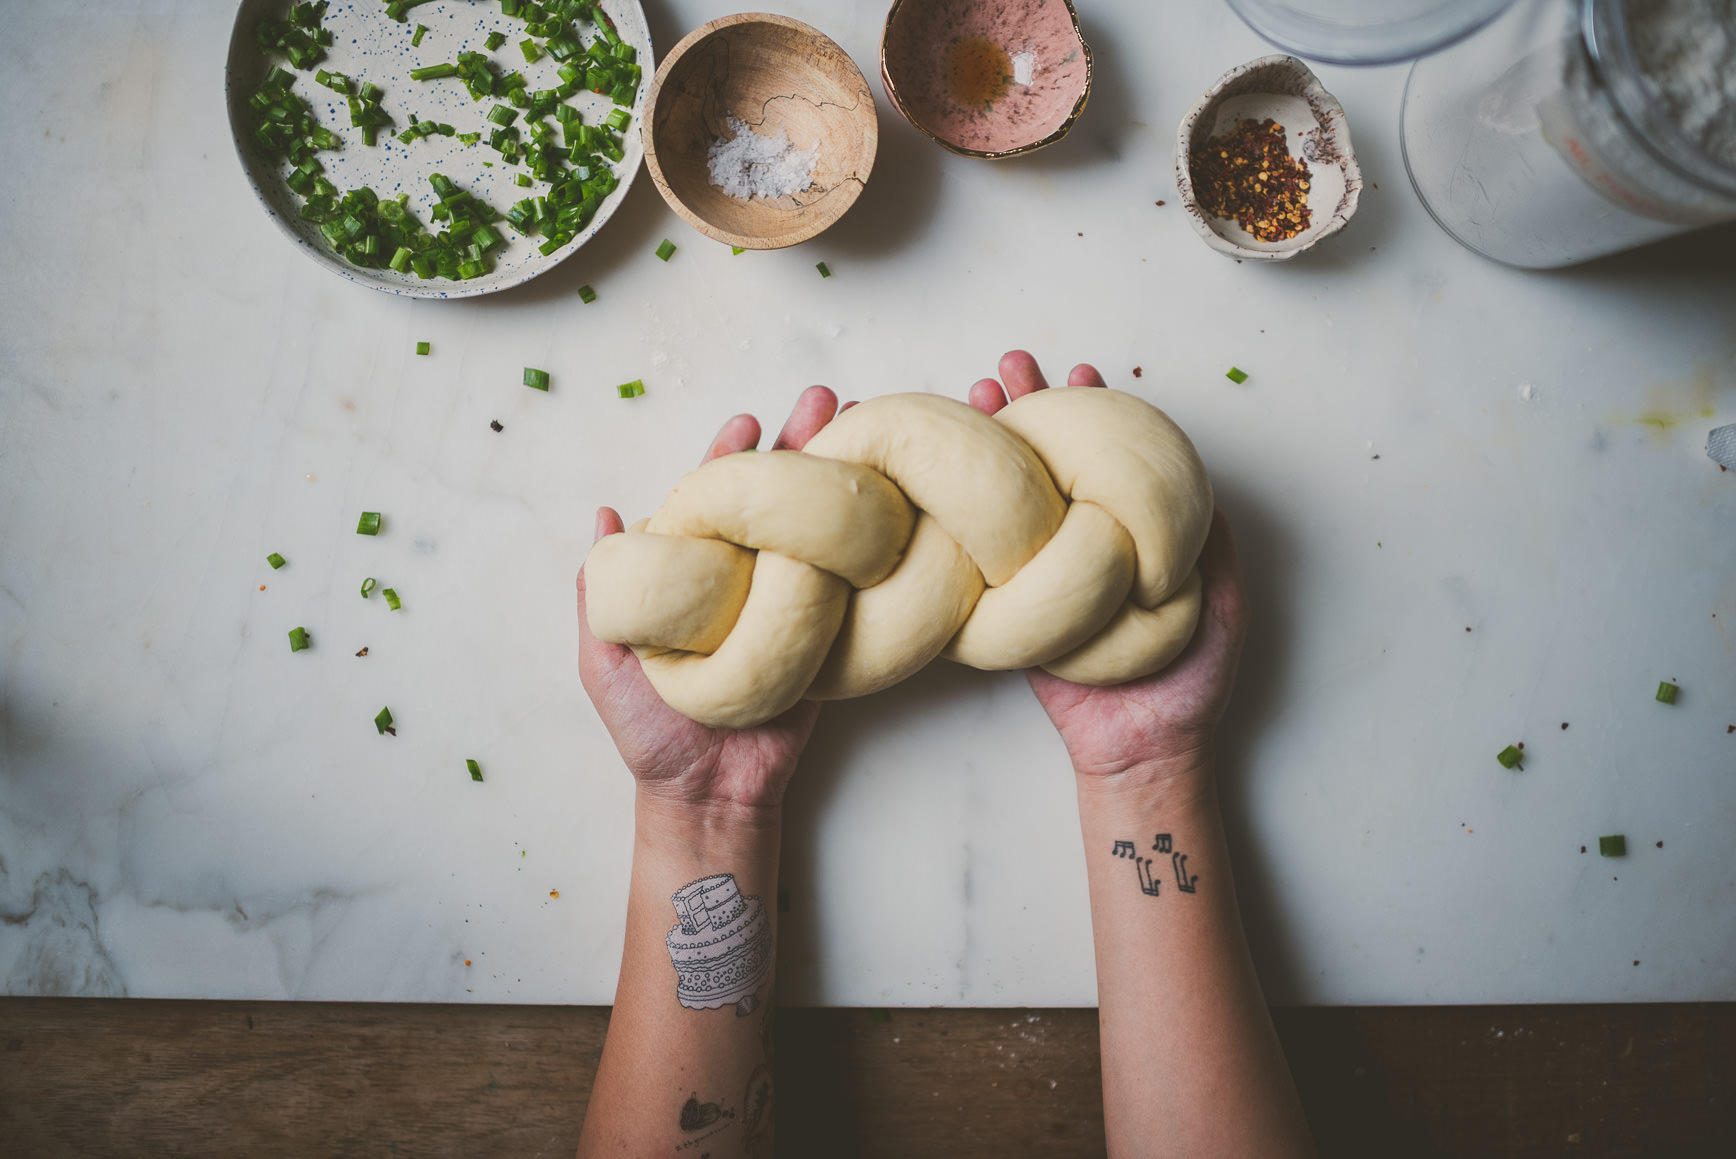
1149,885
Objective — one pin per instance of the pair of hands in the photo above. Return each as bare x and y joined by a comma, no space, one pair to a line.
1154,731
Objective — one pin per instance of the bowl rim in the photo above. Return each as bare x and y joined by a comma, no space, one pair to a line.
248,159
841,198
990,154
1190,124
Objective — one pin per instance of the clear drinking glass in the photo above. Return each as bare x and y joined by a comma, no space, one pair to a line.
1365,31
1537,142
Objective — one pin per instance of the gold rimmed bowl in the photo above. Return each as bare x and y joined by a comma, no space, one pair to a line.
986,78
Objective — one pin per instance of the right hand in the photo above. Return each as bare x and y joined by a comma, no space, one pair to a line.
1157,729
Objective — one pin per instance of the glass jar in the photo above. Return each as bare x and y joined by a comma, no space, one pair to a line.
1539,143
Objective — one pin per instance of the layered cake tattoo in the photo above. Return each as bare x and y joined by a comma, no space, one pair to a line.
721,947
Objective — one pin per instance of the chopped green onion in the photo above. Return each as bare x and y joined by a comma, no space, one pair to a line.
532,53
276,561
369,524
825,270
631,389
737,250
297,639
536,379
1667,692
392,600
618,119
383,722
503,115
1614,846
586,294
1509,757
495,40
475,770
434,71
423,347
1236,376
523,180
416,39
666,250
368,587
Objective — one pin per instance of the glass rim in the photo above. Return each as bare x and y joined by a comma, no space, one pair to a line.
1604,28
1389,42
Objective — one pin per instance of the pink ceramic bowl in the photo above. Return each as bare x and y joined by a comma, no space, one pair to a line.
986,78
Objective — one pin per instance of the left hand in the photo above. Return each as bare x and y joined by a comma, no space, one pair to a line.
674,757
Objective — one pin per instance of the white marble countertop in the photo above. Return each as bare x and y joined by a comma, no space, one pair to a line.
1473,504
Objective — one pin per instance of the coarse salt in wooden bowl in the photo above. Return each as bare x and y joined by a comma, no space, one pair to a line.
790,86
1286,91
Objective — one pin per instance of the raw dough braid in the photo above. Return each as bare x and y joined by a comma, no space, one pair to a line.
1063,532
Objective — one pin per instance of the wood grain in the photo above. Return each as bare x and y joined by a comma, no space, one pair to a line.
129,1077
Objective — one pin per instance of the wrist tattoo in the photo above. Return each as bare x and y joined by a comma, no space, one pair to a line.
721,946
1150,884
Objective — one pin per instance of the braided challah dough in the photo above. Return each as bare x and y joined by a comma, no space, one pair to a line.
1063,532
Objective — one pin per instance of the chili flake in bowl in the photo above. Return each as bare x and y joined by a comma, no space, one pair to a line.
1264,165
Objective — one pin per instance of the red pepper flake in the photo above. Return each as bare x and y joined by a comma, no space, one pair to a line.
261,587
1250,176
1139,371
467,961
1160,203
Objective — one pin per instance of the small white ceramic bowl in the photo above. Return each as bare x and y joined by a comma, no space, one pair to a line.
1282,88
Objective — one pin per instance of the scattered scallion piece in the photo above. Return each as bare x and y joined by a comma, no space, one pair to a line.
825,270
737,250
1509,757
424,347
297,639
392,600
1612,846
368,586
523,180
495,40
536,379
416,37
666,250
1667,692
586,294
434,71
276,561
631,389
369,524
1236,376
475,770
383,722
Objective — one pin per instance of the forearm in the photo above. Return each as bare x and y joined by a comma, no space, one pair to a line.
1191,1063
698,1029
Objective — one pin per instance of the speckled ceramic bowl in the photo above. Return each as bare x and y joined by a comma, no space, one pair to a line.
986,78
369,45
1316,132
779,77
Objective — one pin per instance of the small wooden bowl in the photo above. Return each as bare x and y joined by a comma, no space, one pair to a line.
778,76
986,78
